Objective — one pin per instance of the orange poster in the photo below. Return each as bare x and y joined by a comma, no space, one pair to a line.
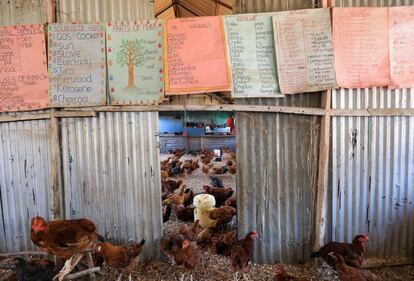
23,69
195,56
360,40
401,24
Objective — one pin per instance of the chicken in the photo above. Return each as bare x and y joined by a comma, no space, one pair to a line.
171,185
241,252
120,256
221,215
205,169
216,182
166,213
352,253
172,245
188,197
232,170
205,235
281,275
176,199
232,202
229,163
178,152
164,175
220,194
184,213
30,271
349,273
189,254
190,233
220,170
224,242
63,237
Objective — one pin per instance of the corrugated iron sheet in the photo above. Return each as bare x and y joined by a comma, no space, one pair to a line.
14,12
372,166
276,179
92,11
24,180
111,175
259,6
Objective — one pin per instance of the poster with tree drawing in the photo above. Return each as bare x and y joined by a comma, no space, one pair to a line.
135,62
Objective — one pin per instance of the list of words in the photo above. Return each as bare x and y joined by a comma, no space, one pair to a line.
304,50
252,55
360,39
401,42
77,73
135,62
23,68
196,56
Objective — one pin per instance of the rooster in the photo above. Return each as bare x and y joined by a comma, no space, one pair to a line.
63,237
352,253
120,257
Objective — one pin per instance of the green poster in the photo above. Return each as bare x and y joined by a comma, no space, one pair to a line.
135,62
252,55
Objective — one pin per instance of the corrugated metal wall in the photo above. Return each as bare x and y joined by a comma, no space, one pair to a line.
372,166
111,175
24,154
24,180
276,178
111,163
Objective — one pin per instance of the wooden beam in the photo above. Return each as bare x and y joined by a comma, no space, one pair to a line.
216,9
55,193
188,9
321,202
38,116
163,10
220,107
373,112
223,4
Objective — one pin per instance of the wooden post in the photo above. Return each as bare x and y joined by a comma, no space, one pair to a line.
54,168
322,181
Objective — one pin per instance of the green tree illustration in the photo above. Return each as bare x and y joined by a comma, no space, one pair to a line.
131,53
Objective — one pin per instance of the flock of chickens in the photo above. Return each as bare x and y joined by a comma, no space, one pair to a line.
69,238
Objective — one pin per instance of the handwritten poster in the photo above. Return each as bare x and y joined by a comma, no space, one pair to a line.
23,69
304,51
77,73
196,56
135,62
360,38
401,40
252,56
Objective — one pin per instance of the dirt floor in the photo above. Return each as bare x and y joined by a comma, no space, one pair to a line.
213,267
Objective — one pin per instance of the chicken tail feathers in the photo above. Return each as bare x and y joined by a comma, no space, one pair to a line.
142,242
316,254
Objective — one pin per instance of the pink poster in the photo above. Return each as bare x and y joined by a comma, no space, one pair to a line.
401,24
360,40
23,68
195,56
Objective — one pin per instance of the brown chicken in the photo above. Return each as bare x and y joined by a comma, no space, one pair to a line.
171,245
189,254
177,199
349,273
63,238
232,202
224,242
232,169
205,169
241,252
229,163
120,256
282,275
205,235
190,232
171,185
220,194
352,253
188,197
221,215
184,213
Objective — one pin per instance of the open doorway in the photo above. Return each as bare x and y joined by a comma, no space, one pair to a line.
198,159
